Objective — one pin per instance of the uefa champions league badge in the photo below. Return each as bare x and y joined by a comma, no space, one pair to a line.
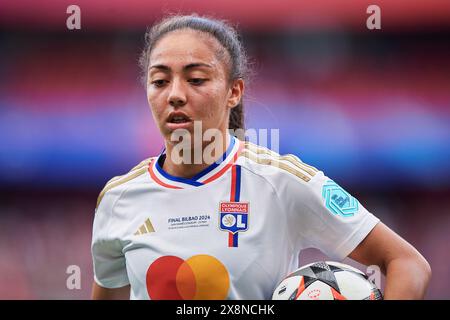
339,201
233,219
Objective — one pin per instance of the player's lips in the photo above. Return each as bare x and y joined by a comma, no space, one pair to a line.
178,120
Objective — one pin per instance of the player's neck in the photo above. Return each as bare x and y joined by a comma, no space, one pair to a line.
190,162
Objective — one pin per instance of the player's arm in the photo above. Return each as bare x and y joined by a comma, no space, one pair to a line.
100,293
407,272
107,252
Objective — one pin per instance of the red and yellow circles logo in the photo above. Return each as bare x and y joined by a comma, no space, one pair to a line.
200,277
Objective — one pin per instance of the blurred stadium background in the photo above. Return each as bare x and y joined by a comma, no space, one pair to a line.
369,108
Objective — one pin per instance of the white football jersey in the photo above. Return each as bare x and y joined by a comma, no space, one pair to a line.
233,231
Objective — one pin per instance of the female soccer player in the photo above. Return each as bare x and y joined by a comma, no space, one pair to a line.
183,226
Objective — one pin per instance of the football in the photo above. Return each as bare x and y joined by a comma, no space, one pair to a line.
327,280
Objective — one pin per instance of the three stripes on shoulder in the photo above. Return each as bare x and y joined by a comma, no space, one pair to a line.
289,162
116,181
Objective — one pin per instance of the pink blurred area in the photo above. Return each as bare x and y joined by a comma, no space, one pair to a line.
252,14
42,236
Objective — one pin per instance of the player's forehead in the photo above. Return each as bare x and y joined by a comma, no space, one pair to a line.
182,47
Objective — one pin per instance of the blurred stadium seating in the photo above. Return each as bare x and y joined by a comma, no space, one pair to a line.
369,108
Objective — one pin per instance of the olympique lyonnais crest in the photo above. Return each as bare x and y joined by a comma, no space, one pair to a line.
234,219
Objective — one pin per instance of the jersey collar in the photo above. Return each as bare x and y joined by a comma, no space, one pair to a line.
209,174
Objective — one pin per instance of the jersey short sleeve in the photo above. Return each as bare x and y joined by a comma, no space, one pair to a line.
107,256
325,216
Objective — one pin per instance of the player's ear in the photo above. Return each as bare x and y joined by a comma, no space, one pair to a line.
235,93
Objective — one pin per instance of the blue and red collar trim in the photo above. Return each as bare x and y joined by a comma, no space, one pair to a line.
211,173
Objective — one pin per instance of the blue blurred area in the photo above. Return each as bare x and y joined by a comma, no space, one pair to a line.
401,148
73,113
68,149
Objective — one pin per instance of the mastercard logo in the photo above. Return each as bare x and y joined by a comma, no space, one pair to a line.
201,277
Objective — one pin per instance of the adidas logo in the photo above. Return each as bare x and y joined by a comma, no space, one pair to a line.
146,227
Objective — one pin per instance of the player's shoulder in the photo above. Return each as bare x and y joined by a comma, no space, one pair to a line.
118,182
271,165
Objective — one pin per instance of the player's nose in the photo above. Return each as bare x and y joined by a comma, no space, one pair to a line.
177,94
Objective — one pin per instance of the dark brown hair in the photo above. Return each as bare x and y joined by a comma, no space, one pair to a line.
225,34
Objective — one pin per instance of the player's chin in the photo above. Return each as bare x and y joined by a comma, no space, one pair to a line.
176,134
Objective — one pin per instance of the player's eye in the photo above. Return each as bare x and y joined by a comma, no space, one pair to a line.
197,81
159,83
